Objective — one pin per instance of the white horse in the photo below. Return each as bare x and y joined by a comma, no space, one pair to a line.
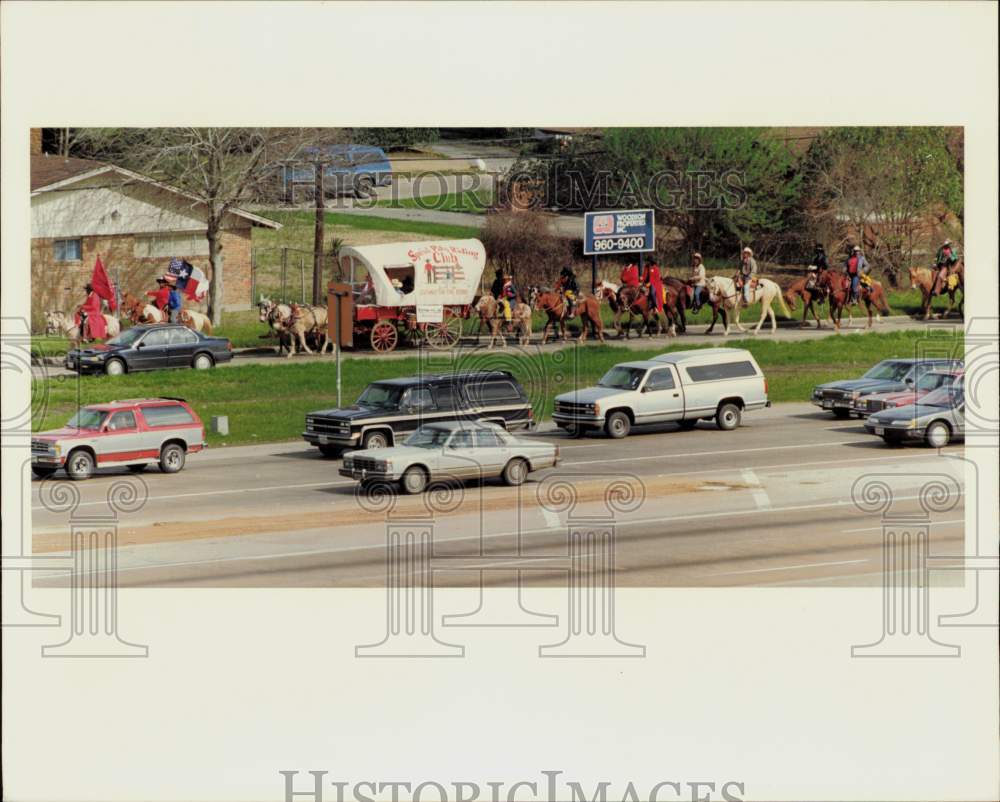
58,322
187,317
723,290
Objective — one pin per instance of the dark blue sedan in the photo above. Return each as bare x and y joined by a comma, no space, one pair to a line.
151,347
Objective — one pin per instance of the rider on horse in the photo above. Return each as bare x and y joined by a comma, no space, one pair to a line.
91,322
697,281
853,268
570,289
945,259
819,262
161,295
629,279
747,274
653,281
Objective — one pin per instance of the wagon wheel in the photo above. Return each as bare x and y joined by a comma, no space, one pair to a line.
445,334
384,336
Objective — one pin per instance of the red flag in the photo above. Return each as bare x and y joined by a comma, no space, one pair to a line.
102,284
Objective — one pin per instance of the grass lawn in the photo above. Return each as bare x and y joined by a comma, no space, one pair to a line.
468,201
269,403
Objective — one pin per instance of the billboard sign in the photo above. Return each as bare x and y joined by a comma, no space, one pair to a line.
629,231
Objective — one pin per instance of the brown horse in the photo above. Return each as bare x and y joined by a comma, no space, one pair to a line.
810,296
838,289
588,308
678,306
927,282
491,313
633,302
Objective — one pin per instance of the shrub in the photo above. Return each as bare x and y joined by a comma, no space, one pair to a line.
524,244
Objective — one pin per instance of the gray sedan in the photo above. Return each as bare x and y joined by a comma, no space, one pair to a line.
453,450
937,418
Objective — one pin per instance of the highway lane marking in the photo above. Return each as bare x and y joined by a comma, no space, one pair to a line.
710,453
348,482
784,568
929,522
757,491
480,536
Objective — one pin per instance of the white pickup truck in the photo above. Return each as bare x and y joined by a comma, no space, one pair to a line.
683,387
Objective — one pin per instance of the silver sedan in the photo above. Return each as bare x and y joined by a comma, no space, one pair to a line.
453,450
937,418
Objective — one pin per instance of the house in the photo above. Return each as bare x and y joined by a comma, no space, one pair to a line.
81,209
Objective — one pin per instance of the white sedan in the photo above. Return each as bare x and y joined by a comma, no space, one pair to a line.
453,450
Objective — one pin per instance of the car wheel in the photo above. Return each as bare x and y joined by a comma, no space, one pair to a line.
114,367
203,362
938,435
375,440
688,423
728,417
414,480
43,473
331,451
80,465
515,472
138,467
842,414
171,458
617,425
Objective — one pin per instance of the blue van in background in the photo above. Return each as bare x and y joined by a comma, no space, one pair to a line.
352,170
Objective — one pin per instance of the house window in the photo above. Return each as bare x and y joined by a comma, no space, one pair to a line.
68,250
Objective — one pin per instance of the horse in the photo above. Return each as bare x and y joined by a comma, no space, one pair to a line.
58,322
925,280
631,301
297,322
588,308
680,305
810,293
138,311
838,289
490,312
730,297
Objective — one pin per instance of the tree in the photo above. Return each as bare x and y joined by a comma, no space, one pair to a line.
221,168
394,138
718,186
523,244
885,187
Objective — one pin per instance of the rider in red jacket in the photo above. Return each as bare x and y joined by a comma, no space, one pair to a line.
161,295
652,279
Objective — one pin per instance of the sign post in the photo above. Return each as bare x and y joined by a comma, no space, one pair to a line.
623,231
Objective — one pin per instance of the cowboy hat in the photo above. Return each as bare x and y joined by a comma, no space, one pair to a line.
696,256
947,242
856,248
748,250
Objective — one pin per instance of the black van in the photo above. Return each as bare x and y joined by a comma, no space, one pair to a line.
389,410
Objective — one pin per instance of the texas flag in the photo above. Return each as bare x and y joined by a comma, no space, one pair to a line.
190,280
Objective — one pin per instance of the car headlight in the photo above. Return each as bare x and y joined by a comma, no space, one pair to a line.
348,462
891,405
55,449
595,408
912,424
386,465
856,395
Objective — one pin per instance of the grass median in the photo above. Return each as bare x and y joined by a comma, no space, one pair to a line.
269,403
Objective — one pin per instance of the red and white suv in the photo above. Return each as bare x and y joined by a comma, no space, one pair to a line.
134,433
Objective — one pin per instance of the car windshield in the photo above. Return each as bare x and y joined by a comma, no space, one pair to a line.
428,437
127,337
87,418
381,396
946,397
889,371
931,381
622,378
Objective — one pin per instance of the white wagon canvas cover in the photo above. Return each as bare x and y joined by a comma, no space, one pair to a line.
444,273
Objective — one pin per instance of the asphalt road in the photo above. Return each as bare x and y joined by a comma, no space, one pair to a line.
767,504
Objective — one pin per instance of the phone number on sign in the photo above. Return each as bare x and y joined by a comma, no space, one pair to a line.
620,244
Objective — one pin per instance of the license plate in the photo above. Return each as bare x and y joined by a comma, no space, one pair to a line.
843,404
828,405
879,431
324,440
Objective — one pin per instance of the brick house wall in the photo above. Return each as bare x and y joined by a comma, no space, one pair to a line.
59,285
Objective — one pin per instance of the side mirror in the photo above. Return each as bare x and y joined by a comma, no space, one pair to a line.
909,381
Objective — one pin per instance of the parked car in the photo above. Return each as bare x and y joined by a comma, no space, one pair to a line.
135,434
889,375
683,386
937,418
389,410
349,170
924,384
454,450
151,347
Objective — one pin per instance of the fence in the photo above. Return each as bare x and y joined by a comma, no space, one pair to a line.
285,273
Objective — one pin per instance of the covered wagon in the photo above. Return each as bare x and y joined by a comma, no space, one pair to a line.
417,291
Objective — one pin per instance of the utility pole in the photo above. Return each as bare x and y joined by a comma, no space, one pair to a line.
317,288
